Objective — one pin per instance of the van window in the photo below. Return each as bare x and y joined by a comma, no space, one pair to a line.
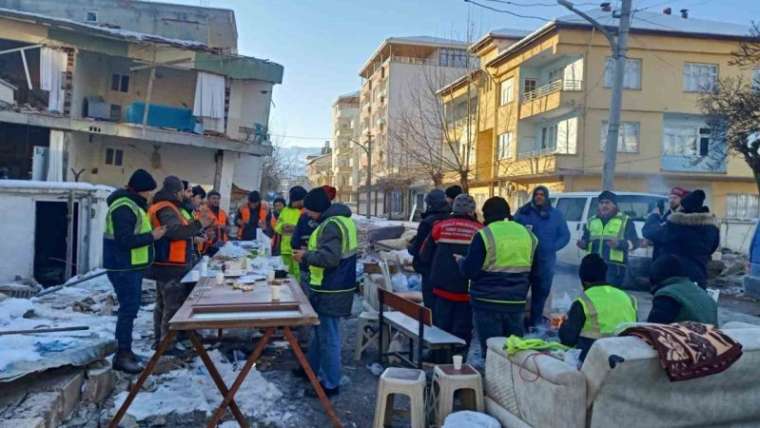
637,207
571,208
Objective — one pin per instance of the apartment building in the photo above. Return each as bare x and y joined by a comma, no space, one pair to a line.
345,152
319,170
393,77
544,102
94,97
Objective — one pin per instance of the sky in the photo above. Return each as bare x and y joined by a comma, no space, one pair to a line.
323,43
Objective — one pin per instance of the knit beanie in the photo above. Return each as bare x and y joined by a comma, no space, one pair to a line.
608,196
214,193
279,199
666,266
463,204
141,181
296,193
198,191
317,200
593,269
453,191
330,191
694,201
254,197
679,191
496,209
172,184
436,200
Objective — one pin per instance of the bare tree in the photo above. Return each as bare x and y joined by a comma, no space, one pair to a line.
733,107
433,136
276,167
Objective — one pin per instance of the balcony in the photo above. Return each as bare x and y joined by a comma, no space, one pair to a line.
551,97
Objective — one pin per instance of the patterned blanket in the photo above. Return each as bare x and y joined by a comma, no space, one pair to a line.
689,350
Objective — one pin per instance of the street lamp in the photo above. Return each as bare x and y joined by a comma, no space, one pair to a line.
368,150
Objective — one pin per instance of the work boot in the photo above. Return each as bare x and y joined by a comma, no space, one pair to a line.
139,359
124,362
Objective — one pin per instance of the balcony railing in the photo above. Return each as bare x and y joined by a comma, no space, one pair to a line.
551,87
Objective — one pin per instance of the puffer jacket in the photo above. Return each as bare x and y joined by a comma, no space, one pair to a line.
549,226
429,218
693,237
117,251
339,273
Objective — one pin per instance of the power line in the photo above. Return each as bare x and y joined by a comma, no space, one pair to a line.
521,4
506,11
295,137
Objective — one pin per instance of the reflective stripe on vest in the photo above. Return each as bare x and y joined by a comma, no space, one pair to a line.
600,232
178,247
138,256
288,217
509,247
605,308
349,247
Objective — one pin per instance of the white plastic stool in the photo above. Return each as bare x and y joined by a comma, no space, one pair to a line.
409,382
447,381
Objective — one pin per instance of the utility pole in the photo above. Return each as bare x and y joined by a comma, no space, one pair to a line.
368,183
619,46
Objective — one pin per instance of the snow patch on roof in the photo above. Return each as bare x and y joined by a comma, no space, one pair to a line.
427,40
511,33
650,21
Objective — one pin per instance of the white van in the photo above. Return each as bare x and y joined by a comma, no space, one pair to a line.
578,207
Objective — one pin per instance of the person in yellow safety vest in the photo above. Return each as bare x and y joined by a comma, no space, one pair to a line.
331,261
286,224
127,253
498,264
599,311
612,235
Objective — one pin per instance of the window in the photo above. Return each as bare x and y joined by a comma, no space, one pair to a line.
92,16
560,137
699,77
114,157
742,206
572,76
507,91
628,137
504,148
529,85
631,73
453,58
120,82
682,140
571,208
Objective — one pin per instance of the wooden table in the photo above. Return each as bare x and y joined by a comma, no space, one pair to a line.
221,307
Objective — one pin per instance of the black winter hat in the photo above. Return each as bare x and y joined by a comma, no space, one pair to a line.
254,197
141,181
198,191
496,209
172,184
453,191
214,193
666,266
296,193
593,269
317,200
279,199
694,201
436,200
609,196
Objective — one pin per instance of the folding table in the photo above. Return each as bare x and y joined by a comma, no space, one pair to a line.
218,307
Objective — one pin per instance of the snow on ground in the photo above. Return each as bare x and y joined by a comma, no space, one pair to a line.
257,397
375,222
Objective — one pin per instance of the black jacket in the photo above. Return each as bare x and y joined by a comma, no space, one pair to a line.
693,237
429,218
117,251
448,237
175,231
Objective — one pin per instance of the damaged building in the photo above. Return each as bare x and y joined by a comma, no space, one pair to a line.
92,89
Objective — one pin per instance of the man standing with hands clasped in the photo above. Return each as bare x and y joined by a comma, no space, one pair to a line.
331,261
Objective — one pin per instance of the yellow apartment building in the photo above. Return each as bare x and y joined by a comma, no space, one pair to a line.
345,152
319,168
543,103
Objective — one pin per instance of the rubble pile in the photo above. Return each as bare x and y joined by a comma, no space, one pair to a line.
727,272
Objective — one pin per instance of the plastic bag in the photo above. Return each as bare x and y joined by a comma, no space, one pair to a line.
399,282
470,419
562,304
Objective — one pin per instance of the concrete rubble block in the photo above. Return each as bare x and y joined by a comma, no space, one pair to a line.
37,422
47,406
71,391
98,384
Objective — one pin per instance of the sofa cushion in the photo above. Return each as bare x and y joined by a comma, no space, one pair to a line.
637,392
540,390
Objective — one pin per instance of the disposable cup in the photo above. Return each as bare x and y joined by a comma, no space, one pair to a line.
219,278
275,292
457,360
270,276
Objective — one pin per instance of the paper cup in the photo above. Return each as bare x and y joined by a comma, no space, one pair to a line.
275,292
219,278
270,276
457,360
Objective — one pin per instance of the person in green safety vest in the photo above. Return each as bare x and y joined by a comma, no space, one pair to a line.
612,235
599,311
127,253
498,264
331,260
676,297
286,224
